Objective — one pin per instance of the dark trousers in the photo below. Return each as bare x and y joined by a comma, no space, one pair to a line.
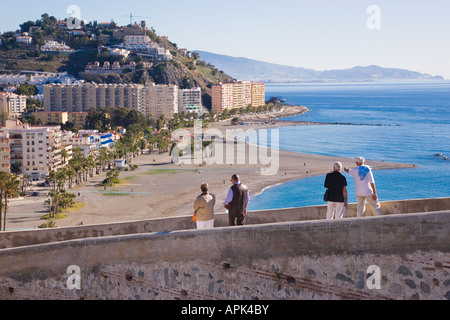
237,220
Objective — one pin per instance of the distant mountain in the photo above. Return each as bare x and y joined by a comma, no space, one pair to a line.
248,69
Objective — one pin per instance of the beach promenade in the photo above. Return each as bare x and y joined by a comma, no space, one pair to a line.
159,188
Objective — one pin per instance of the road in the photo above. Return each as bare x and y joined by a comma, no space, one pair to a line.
26,213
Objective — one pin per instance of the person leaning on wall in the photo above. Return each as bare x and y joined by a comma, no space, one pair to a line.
337,198
204,208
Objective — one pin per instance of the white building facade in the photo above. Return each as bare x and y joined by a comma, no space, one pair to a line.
188,98
12,104
36,151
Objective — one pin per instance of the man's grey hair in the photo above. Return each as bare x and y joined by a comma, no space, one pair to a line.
338,166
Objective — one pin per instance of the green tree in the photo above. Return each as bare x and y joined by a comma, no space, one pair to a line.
11,189
3,180
27,90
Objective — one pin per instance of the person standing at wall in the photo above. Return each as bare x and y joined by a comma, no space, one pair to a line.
336,184
365,188
204,208
237,202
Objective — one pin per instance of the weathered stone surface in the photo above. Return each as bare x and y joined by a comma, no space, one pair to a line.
299,260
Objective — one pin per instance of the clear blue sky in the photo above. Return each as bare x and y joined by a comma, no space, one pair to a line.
317,34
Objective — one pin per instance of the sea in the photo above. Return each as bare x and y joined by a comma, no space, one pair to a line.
405,122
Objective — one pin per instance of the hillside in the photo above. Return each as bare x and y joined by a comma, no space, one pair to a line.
182,71
244,68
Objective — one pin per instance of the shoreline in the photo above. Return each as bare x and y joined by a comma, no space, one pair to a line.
160,189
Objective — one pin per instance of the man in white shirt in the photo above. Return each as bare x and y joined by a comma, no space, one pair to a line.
365,188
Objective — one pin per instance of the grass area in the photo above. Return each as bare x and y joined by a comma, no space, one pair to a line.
76,207
130,178
16,59
161,171
58,216
206,72
113,194
62,215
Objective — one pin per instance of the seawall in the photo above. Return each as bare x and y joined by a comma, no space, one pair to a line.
302,257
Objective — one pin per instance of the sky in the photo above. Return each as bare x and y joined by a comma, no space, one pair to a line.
313,34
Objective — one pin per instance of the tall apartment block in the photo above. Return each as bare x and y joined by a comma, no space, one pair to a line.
154,100
12,104
5,160
35,151
258,94
189,98
82,97
222,95
237,95
161,100
242,94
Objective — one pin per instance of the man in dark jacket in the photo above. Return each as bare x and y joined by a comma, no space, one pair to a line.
337,197
237,201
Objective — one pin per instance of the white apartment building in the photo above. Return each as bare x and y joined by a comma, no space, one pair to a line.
137,42
13,79
37,78
54,46
24,40
188,98
82,141
12,104
36,151
200,110
143,44
115,52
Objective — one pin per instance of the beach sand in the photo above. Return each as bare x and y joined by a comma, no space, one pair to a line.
159,188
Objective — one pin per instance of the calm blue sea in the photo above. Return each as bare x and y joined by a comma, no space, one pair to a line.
399,122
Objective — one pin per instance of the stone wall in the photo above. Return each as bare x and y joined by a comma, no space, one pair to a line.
25,238
287,260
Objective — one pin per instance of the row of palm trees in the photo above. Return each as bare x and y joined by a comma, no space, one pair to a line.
80,169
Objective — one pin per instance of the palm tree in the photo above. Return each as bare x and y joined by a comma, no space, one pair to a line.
24,183
53,202
61,177
70,175
90,165
76,164
64,155
11,189
3,179
112,177
67,199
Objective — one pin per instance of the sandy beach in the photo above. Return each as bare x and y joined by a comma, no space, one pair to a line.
159,188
